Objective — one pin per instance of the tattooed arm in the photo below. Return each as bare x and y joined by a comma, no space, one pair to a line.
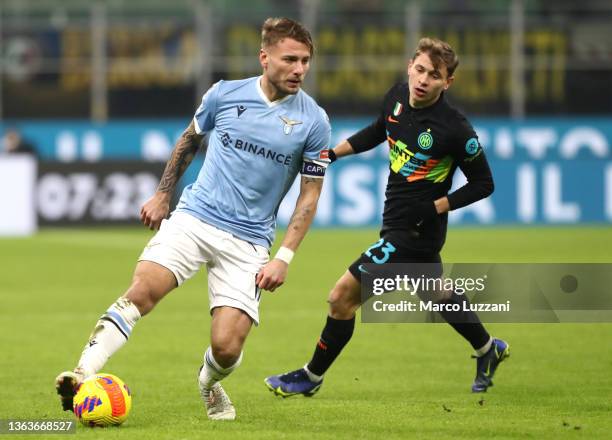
304,212
273,274
157,207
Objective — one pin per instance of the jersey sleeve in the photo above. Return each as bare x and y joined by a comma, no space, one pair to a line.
375,133
204,118
370,136
472,161
314,158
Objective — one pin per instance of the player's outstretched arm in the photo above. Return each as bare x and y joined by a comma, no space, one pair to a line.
158,206
365,139
344,148
273,274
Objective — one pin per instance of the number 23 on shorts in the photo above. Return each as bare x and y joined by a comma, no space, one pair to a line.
385,247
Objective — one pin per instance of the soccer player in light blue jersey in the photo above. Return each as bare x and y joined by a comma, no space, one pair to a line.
263,131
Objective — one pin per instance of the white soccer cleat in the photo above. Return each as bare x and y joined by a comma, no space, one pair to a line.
217,403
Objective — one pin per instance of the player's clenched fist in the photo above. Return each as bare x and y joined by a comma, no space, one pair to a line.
155,210
272,275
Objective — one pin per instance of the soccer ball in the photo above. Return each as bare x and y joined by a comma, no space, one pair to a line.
102,400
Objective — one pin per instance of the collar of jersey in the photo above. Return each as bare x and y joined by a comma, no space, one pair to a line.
422,113
265,98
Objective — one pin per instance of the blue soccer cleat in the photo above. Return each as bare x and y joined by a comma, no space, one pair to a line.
488,363
292,383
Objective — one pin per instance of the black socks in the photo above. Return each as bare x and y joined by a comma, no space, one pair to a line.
335,336
466,322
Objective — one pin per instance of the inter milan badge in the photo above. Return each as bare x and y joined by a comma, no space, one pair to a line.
289,124
425,140
397,109
240,109
471,146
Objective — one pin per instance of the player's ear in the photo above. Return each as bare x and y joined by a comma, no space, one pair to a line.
263,59
409,66
449,81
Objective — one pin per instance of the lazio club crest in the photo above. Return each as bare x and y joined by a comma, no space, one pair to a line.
425,140
289,123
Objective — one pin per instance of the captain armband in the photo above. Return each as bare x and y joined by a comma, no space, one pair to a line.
314,168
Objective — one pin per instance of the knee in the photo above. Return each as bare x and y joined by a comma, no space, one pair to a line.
343,301
226,351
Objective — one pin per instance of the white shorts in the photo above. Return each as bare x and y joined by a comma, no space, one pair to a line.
184,243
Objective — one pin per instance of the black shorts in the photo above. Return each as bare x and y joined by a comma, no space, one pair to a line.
390,249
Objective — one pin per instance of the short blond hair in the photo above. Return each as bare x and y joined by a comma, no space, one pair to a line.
276,29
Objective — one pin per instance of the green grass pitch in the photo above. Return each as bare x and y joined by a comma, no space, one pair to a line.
392,380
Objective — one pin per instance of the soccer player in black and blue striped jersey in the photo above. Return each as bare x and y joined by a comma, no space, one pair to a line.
428,140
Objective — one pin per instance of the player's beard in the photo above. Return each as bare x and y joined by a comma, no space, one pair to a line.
283,87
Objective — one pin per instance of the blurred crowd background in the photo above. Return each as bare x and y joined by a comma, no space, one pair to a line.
91,87
148,58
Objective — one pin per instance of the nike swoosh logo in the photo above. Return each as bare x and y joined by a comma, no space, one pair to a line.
362,269
390,119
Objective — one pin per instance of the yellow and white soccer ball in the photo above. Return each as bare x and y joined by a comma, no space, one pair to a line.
102,400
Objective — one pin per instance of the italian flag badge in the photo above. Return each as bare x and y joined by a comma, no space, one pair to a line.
397,109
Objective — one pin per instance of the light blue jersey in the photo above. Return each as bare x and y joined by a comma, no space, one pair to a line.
255,150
